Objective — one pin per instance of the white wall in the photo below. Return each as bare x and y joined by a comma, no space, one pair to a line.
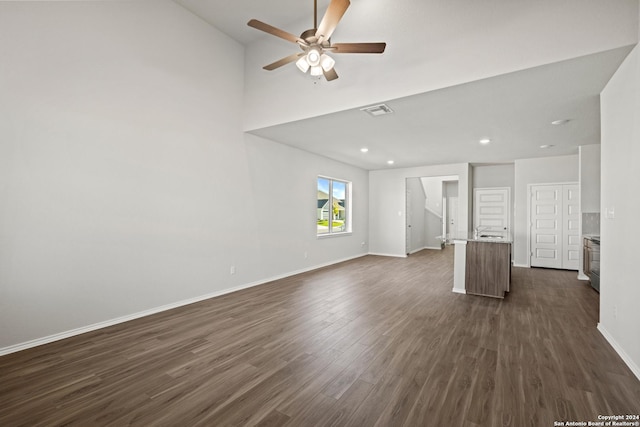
589,181
418,215
490,176
451,194
126,183
456,51
589,175
433,230
560,169
433,190
387,195
619,289
283,185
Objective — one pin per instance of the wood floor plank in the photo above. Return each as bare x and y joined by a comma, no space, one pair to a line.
346,406
400,403
371,341
430,403
274,419
481,406
305,396
317,407
369,411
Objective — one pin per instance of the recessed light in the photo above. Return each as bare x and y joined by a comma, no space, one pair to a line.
485,141
560,122
390,162
364,149
546,146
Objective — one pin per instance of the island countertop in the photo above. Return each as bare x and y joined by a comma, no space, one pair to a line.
491,237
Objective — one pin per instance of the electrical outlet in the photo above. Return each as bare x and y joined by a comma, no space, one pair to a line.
305,254
615,311
232,270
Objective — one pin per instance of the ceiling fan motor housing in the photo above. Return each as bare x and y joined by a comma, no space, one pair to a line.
310,37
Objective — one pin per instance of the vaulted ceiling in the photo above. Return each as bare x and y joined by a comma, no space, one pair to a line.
453,73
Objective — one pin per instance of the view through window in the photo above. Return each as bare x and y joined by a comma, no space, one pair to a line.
333,206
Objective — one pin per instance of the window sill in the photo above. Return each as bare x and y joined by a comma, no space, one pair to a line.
328,236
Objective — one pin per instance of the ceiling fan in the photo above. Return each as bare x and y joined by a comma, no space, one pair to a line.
317,41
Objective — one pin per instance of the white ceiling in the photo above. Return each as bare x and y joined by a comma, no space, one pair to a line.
231,17
443,126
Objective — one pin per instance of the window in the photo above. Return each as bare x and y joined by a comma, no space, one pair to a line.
333,209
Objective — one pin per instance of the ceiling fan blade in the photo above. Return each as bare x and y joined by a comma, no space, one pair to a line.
330,75
358,47
259,25
284,61
332,16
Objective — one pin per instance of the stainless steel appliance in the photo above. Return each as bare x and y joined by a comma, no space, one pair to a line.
592,260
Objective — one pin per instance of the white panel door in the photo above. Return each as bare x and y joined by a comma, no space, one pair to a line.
546,226
555,238
491,212
572,244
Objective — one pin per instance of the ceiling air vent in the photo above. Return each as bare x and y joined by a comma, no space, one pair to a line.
377,110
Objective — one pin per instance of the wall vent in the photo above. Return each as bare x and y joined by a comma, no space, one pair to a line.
377,110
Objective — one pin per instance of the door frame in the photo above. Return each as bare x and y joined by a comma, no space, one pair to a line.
451,231
529,225
509,206
408,238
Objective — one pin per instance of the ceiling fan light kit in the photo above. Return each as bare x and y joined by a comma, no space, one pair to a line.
316,41
313,56
327,62
303,64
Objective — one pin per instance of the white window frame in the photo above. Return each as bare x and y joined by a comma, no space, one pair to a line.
347,207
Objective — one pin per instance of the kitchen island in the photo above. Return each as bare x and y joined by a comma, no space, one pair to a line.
482,265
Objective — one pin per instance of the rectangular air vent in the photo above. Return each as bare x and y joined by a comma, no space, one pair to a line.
377,110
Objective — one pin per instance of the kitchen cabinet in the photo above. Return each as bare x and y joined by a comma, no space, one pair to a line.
488,268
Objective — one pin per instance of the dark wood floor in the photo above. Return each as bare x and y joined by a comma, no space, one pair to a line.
373,341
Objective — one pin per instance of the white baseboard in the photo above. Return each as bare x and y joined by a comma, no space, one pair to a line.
459,291
625,357
521,265
582,276
111,322
437,248
417,250
391,255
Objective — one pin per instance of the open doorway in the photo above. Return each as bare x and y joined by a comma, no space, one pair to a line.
450,210
431,212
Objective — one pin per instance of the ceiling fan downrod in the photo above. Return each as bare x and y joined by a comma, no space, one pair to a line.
315,14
